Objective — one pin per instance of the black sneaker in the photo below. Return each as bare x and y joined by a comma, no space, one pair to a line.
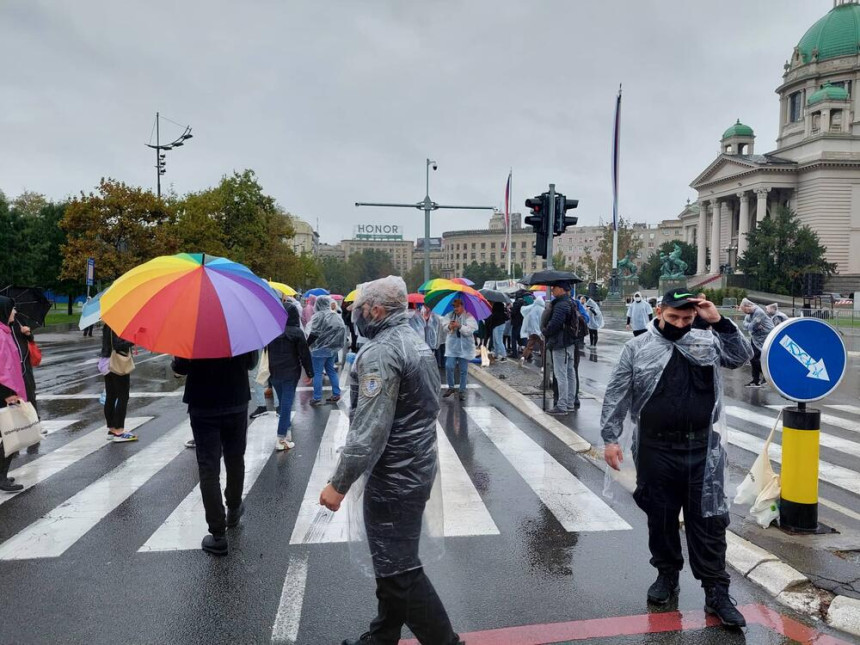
557,412
215,544
723,606
451,391
664,587
233,515
316,402
364,639
9,487
576,404
260,411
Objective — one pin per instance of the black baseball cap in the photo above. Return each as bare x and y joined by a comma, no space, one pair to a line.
678,299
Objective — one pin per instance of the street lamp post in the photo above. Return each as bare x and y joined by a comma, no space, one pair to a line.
427,205
160,163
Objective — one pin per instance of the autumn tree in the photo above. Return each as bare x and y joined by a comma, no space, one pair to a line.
118,225
627,241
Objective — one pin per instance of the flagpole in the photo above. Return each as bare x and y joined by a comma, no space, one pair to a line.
508,217
614,282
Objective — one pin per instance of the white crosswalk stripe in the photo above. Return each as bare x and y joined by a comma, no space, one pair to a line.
50,464
851,409
51,535
185,526
51,426
829,419
575,506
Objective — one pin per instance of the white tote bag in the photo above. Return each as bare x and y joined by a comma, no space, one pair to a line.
19,427
263,374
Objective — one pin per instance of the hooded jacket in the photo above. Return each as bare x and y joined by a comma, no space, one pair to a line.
757,323
531,318
289,352
559,312
327,333
11,369
216,386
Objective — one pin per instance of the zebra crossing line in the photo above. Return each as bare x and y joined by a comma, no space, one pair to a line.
851,409
54,533
52,426
829,419
575,506
182,530
50,464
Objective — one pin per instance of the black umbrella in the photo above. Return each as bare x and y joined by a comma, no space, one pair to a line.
550,277
30,304
495,296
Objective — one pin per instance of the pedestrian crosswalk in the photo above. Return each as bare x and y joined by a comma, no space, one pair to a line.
465,511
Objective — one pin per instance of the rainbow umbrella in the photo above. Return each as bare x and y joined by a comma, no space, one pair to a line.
285,289
464,281
194,305
435,284
442,301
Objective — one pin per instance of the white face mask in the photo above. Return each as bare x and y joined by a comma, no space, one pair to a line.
637,299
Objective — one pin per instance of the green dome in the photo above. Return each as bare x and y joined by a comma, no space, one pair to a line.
828,93
738,130
836,34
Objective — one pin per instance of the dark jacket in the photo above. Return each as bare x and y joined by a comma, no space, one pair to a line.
110,341
289,352
553,330
497,318
216,385
516,313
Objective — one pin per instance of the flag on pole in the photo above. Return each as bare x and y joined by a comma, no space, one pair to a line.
615,154
507,212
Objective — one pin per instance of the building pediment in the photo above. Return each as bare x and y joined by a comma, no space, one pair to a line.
727,167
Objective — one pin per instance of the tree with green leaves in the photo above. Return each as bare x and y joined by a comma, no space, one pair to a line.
649,273
415,276
780,250
627,241
119,225
481,273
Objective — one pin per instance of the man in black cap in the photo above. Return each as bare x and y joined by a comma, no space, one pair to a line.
669,381
561,344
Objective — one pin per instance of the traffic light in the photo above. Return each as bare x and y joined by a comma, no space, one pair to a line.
539,220
562,221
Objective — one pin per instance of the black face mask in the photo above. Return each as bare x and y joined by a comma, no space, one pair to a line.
672,333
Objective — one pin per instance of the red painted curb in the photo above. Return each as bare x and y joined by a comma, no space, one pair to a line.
676,621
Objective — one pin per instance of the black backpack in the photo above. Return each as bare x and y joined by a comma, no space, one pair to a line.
576,328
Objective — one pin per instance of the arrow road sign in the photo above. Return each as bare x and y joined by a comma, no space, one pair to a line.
816,369
804,359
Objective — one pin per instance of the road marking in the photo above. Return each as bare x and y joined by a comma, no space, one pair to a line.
851,409
51,426
316,524
285,631
186,525
573,504
52,534
838,508
829,419
463,510
309,388
50,464
824,438
835,475
90,395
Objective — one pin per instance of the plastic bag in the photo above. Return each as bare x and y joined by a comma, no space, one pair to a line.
761,487
485,356
104,366
263,374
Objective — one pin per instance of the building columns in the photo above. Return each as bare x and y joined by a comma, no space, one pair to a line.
743,224
701,239
761,204
715,236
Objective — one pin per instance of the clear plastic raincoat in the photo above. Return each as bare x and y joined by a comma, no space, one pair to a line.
389,462
433,327
459,343
633,382
531,318
416,322
327,328
595,316
757,323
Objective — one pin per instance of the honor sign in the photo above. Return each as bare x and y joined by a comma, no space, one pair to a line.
378,232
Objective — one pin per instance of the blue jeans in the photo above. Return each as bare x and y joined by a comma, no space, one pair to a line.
260,390
450,363
286,390
325,363
499,341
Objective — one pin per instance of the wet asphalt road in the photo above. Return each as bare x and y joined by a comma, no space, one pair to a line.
534,572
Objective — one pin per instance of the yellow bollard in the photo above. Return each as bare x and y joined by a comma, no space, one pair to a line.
798,504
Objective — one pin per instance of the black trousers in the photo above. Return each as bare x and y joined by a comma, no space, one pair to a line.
213,436
755,362
669,479
592,337
116,399
4,463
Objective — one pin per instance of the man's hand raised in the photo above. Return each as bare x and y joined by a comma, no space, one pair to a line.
707,310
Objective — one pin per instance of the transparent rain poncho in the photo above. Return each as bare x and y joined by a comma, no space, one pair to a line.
757,323
460,343
416,322
327,327
634,380
595,316
531,318
389,462
432,328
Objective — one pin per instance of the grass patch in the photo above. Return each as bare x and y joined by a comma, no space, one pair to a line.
59,316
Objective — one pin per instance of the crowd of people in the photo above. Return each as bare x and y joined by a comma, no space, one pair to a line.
397,350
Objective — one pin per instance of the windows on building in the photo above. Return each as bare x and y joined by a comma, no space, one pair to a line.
795,107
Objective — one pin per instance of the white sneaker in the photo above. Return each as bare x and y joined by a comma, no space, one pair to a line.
190,443
284,444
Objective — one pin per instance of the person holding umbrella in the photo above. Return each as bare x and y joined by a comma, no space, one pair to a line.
117,386
560,342
459,346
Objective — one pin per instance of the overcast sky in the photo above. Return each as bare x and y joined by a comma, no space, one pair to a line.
337,101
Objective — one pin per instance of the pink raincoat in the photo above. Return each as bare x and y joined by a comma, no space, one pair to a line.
11,374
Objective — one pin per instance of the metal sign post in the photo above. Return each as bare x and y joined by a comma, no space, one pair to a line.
91,274
805,360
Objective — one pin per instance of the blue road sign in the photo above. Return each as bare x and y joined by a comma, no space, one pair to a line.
91,271
804,359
